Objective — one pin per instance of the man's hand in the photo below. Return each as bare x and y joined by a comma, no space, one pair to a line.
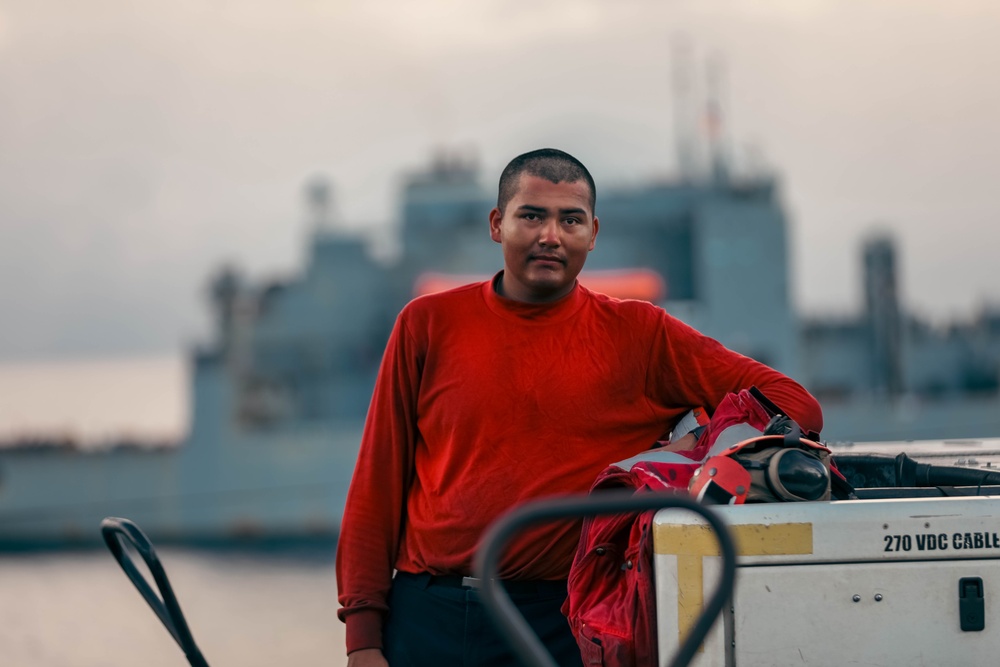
367,657
685,443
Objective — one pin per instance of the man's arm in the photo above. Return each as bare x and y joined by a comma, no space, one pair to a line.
693,369
373,516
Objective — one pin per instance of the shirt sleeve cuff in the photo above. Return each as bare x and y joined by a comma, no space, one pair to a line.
364,630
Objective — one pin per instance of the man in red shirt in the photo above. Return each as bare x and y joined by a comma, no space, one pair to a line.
501,392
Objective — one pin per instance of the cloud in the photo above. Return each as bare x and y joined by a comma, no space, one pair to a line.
143,144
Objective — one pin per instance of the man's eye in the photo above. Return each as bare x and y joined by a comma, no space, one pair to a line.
572,221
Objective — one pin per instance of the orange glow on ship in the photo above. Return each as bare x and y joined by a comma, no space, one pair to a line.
641,284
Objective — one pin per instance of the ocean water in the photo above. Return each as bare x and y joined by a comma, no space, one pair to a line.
78,609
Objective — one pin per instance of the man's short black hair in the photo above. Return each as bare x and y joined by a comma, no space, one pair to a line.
548,163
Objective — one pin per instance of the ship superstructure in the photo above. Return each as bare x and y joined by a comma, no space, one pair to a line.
280,393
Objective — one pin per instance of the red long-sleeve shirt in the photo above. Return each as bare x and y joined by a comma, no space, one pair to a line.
483,402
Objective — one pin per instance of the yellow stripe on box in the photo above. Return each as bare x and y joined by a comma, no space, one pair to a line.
690,595
752,539
691,543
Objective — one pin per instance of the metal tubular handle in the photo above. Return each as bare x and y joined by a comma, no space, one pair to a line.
512,624
118,531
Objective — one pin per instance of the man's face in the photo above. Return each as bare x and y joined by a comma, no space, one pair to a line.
546,232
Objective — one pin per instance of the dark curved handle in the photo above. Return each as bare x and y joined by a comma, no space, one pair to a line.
512,624
118,531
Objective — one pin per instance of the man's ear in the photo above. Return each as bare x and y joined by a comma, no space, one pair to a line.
597,225
495,217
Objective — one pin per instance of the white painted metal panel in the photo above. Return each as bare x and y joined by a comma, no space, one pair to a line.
907,614
801,564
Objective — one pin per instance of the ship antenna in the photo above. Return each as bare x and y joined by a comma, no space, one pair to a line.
685,137
318,201
714,119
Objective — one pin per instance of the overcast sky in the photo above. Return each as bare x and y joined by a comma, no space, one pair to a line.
143,143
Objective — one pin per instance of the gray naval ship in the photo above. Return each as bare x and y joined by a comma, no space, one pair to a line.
279,394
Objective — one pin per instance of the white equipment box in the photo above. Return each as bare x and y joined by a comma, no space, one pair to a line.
863,582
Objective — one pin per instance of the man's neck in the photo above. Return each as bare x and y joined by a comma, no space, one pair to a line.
498,287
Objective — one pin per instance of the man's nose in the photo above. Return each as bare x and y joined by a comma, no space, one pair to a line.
549,235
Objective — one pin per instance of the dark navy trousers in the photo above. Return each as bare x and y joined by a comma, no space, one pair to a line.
435,622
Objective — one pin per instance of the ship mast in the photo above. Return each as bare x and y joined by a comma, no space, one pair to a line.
319,206
715,119
685,136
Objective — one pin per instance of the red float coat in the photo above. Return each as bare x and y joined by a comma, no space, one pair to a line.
483,402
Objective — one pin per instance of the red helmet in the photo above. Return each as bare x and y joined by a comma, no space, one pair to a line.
721,480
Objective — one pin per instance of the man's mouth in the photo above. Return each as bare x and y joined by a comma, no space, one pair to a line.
555,259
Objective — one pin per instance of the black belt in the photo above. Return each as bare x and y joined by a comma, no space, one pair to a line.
512,586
